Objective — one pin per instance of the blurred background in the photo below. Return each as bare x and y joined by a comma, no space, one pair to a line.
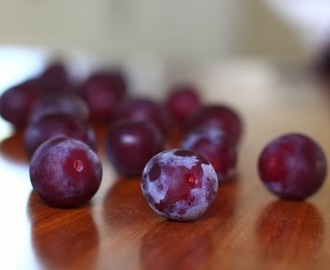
182,29
184,32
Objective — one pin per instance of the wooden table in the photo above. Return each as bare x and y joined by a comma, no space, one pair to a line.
246,227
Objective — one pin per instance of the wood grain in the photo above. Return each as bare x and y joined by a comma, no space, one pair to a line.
246,227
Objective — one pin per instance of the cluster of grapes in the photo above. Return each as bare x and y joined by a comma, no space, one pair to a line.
179,183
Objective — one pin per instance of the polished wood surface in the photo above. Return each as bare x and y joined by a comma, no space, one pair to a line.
246,227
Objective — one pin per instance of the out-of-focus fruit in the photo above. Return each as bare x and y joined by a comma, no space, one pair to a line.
17,102
222,116
145,110
55,78
182,101
292,166
54,125
103,91
212,143
50,103
130,144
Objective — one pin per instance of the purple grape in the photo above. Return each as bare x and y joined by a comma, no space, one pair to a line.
103,91
224,117
130,144
17,102
144,109
50,103
65,172
55,78
213,144
179,184
54,125
182,101
292,166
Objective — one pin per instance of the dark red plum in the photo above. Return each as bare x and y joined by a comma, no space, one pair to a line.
130,144
17,102
54,125
292,166
213,144
145,110
222,116
50,103
65,172
179,184
182,101
103,91
55,78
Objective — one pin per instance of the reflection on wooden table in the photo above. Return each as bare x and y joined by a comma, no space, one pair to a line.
246,227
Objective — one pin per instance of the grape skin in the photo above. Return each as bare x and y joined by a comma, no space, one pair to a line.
59,102
144,109
17,102
54,125
179,184
221,116
292,166
214,145
182,101
103,91
130,144
65,172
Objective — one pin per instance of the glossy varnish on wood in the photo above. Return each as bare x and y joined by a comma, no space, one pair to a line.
246,227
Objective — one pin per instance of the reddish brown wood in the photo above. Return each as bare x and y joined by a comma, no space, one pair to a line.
246,227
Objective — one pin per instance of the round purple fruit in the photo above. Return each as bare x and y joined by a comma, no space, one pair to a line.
65,172
17,102
130,144
292,166
55,125
214,145
145,110
221,116
49,103
103,91
179,184
182,102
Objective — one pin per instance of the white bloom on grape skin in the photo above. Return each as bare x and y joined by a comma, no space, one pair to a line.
156,189
185,161
200,198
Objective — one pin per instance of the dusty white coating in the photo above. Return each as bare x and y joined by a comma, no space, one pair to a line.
198,207
158,188
210,173
55,155
186,161
214,134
